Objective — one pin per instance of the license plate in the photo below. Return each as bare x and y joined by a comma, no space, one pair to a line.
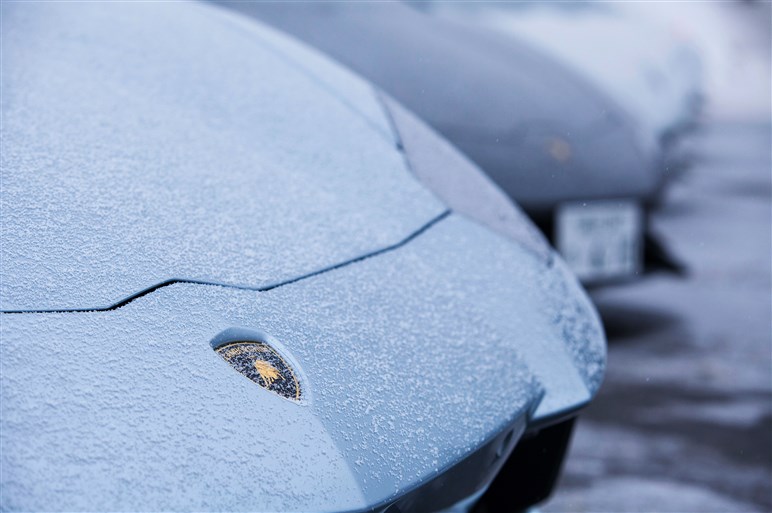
600,240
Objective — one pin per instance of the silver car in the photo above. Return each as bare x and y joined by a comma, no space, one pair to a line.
237,277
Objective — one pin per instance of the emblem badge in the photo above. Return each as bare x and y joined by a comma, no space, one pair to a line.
262,364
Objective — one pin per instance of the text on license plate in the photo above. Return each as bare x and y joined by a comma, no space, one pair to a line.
600,240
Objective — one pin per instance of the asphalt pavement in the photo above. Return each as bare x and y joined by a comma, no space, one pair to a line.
684,419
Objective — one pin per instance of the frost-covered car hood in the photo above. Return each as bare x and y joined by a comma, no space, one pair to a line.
126,164
541,132
173,181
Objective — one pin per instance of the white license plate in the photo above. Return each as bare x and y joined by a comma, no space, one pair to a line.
600,240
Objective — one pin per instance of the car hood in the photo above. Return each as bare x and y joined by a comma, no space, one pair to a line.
126,165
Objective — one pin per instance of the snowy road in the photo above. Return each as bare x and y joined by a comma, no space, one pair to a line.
684,420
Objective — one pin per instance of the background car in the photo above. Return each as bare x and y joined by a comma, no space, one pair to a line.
575,161
191,199
653,73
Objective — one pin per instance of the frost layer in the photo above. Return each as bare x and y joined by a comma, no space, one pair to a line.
144,142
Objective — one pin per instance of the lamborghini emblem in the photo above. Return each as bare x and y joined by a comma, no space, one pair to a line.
268,373
262,364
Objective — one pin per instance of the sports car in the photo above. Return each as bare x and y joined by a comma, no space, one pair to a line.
655,74
237,277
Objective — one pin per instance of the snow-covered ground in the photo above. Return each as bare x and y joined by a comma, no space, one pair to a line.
684,420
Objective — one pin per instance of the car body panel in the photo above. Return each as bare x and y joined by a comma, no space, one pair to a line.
458,183
121,170
653,74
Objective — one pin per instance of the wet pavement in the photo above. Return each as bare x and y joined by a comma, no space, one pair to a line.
684,419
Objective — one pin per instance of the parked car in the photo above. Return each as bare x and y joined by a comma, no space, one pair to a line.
578,164
654,73
237,277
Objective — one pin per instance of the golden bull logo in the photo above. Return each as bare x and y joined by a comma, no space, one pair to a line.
263,365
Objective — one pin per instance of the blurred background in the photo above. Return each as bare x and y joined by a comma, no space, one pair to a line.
684,420
675,97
